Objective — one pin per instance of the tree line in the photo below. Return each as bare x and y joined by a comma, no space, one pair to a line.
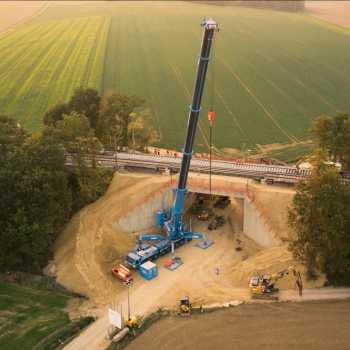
112,115
320,211
39,193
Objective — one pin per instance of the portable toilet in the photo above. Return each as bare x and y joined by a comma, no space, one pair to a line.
148,270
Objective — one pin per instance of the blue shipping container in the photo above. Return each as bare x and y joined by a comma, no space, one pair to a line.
148,270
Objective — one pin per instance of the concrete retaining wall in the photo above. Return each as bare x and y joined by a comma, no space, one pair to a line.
255,228
144,217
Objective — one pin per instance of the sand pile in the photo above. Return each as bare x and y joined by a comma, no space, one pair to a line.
90,246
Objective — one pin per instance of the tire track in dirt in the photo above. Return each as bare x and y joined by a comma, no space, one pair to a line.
283,93
180,80
247,135
118,45
173,67
291,136
88,69
300,82
286,133
317,74
295,59
293,76
147,76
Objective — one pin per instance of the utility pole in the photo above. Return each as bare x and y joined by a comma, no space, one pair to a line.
132,115
128,284
115,148
211,116
243,145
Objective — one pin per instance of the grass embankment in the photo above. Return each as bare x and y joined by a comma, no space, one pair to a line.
33,319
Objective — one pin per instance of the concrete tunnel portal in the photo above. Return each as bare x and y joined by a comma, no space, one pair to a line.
256,224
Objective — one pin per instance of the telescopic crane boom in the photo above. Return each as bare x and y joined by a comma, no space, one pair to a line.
174,228
177,232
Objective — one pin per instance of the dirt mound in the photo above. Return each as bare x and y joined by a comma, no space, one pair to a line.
90,245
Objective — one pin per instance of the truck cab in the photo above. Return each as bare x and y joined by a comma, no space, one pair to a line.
122,273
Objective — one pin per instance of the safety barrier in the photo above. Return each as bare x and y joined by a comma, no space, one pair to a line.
143,200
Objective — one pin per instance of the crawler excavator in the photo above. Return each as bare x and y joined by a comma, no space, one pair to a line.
262,287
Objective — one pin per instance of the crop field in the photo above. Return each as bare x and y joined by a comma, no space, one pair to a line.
42,64
271,73
28,316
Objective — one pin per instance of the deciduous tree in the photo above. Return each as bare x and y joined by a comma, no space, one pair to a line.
117,112
55,113
35,203
333,134
141,132
320,215
11,135
86,101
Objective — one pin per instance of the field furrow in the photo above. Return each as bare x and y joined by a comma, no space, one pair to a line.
286,133
295,77
271,73
148,77
59,58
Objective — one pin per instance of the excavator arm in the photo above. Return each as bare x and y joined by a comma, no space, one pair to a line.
284,272
264,285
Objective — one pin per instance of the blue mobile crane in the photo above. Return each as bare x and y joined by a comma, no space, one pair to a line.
177,232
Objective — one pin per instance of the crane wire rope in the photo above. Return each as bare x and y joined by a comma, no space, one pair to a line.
212,73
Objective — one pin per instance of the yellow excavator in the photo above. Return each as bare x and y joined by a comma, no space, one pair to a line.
261,287
198,203
221,201
186,307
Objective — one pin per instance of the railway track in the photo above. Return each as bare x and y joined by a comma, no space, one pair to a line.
270,173
161,162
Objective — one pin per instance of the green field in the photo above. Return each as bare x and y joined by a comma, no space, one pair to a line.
28,316
43,63
270,76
